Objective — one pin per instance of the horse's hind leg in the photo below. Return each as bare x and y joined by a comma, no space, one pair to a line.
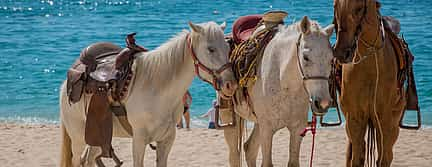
294,147
164,147
252,146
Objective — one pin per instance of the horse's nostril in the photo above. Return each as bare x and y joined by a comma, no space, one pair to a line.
317,104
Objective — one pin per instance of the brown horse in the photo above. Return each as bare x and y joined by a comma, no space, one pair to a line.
369,98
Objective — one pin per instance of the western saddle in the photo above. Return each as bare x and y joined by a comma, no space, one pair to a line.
104,71
250,36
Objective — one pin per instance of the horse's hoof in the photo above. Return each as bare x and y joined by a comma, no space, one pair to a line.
119,164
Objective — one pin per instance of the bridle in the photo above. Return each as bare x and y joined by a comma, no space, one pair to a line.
372,49
307,77
198,65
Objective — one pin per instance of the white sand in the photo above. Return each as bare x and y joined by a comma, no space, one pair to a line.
39,145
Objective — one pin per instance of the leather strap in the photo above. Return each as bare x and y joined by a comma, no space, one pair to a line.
198,65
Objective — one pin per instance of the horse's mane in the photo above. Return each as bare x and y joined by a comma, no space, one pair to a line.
161,63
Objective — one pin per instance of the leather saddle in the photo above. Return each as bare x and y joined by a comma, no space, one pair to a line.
103,70
244,27
250,36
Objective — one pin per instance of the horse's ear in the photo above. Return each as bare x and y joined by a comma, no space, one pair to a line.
305,25
195,27
329,29
223,26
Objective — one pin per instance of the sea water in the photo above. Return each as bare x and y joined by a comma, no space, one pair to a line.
40,39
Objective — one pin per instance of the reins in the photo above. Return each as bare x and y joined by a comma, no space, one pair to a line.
371,49
198,65
312,128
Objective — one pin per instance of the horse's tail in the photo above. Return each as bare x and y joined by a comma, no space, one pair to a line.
66,148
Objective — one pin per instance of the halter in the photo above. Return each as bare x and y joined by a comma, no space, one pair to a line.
198,65
370,48
304,77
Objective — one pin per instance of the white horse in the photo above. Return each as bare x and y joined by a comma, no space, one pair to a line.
292,75
154,101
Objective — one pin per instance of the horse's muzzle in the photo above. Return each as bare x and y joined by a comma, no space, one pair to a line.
319,106
344,55
228,88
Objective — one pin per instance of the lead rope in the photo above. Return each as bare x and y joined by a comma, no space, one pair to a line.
375,110
312,128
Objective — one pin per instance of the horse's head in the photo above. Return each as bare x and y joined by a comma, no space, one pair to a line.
349,16
210,52
314,60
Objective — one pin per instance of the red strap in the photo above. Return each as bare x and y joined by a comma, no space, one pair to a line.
198,65
312,128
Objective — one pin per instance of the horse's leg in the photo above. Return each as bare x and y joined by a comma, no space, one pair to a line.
88,156
266,139
231,137
252,146
139,144
294,147
390,132
348,153
78,148
164,147
356,130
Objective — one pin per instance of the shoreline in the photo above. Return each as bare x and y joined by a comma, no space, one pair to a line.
40,145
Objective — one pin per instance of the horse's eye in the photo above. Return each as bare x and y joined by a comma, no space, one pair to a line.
211,50
306,58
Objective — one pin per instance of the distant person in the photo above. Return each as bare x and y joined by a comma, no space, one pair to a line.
211,115
187,102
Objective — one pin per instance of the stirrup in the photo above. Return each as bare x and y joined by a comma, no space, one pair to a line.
330,124
411,127
226,125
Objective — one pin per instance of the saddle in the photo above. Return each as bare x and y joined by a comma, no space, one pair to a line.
244,26
250,36
405,58
103,70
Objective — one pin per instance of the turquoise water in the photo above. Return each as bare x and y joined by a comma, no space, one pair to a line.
40,39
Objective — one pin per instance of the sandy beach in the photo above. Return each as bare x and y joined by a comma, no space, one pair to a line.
39,145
